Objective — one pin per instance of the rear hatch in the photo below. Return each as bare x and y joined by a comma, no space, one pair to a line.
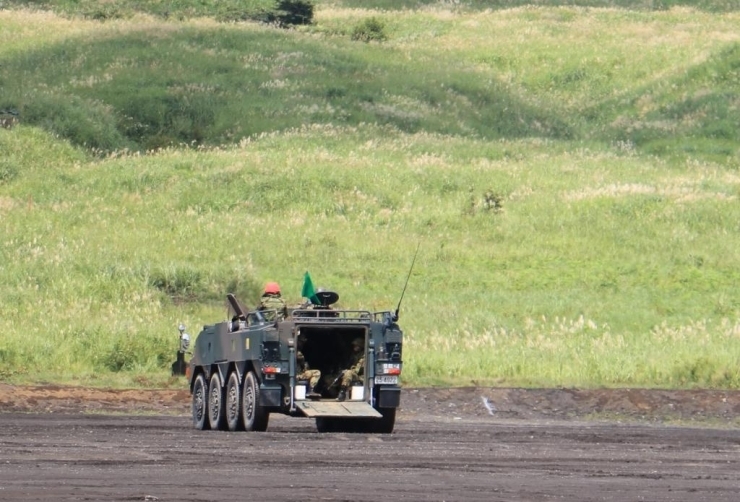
346,409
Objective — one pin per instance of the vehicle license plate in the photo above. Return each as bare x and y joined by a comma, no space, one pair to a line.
387,379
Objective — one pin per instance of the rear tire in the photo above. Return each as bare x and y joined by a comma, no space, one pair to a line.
254,416
382,425
324,425
200,403
385,424
216,404
233,402
348,425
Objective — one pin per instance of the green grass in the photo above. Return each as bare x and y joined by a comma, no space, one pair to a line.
487,5
104,10
550,73
159,164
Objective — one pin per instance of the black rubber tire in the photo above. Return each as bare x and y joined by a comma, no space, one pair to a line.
233,403
200,403
324,425
348,425
216,403
254,416
385,424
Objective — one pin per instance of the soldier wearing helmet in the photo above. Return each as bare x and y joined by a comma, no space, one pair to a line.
272,303
357,367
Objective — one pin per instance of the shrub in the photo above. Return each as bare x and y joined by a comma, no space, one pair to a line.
102,12
288,13
8,118
294,12
84,122
8,170
128,352
371,29
180,283
123,355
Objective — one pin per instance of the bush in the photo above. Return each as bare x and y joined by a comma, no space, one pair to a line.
180,283
84,122
292,12
371,29
8,170
102,12
123,355
128,352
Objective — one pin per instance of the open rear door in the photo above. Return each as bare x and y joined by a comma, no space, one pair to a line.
347,409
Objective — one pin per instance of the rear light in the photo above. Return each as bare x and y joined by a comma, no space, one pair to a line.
269,370
391,369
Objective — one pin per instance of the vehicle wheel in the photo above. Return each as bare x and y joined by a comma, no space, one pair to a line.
216,404
385,424
349,425
325,425
254,416
200,403
233,402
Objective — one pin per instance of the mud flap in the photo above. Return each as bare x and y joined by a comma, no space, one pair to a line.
348,409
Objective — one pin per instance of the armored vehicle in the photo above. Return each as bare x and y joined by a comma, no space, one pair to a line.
247,368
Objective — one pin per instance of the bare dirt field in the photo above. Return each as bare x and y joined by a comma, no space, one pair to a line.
470,444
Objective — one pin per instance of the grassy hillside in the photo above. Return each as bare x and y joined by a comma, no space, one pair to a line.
486,5
561,73
570,174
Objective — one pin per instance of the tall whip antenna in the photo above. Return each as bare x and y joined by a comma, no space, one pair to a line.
398,308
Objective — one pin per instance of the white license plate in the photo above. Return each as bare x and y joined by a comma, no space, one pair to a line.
392,380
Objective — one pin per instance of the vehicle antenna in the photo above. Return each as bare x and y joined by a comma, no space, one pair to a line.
398,308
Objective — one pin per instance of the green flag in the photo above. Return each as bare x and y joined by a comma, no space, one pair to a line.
308,290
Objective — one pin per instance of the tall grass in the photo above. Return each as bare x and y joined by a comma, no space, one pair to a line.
572,181
487,5
660,81
599,268
223,10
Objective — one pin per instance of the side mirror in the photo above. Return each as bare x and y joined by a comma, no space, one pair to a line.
184,342
184,339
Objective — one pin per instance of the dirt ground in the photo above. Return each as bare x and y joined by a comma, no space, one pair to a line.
471,444
630,405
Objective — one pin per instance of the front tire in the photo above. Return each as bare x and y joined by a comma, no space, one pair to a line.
200,403
233,402
216,404
254,416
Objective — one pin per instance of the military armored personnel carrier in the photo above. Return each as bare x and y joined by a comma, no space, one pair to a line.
246,369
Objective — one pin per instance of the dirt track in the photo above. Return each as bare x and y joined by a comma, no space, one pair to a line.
444,448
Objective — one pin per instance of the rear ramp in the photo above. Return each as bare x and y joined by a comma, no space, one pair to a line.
347,409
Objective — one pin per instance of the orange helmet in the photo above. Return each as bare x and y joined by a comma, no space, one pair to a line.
272,288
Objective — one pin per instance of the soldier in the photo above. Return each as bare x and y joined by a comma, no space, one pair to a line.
272,300
306,373
357,366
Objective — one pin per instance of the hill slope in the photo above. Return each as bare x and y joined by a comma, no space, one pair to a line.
145,83
570,174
